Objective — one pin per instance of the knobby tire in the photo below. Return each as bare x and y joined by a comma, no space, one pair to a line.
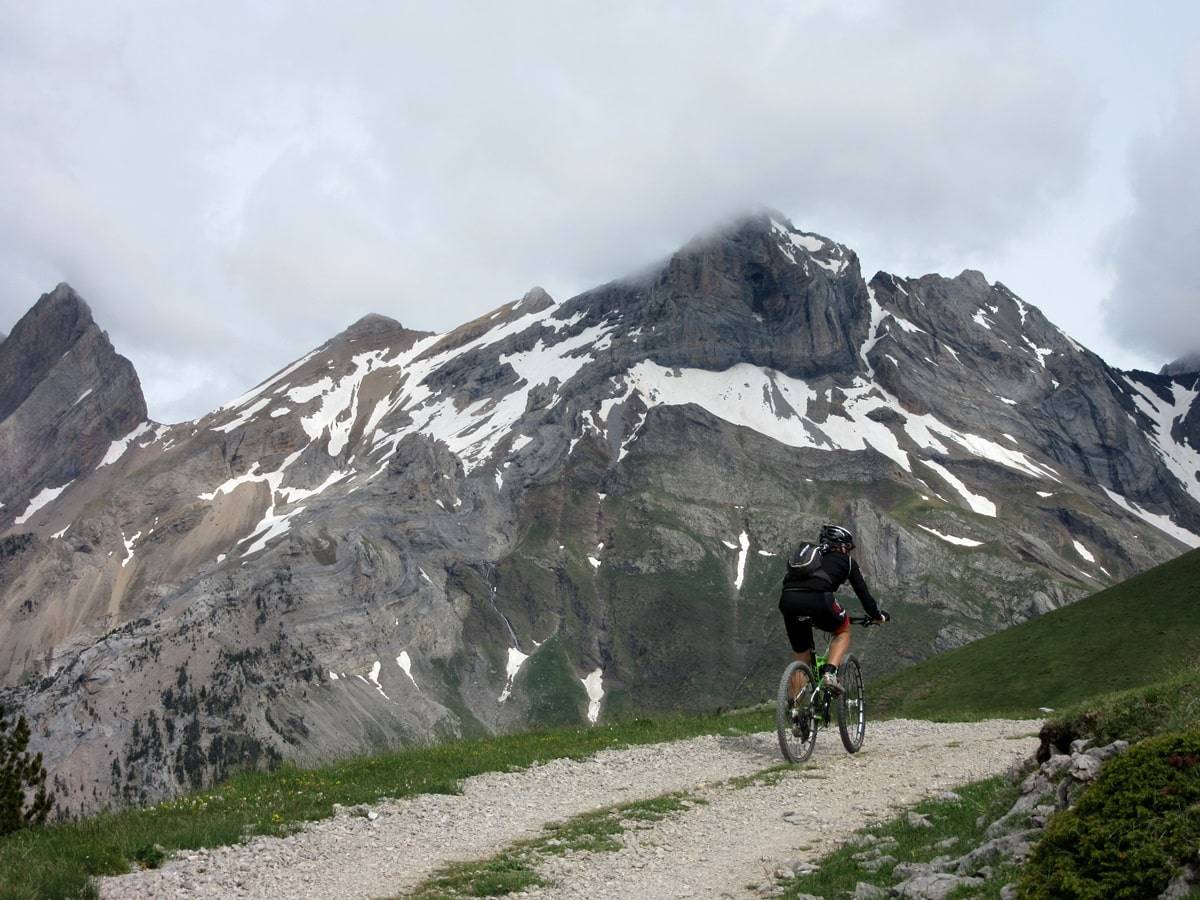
796,738
852,705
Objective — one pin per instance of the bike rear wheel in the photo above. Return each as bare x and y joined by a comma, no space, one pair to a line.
795,721
852,705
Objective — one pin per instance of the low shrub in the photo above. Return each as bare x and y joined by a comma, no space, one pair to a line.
1130,832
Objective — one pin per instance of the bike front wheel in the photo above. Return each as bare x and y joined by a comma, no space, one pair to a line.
795,716
852,705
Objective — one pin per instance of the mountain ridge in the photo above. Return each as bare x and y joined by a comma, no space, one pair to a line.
546,514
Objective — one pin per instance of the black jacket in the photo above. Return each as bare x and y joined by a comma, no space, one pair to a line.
836,570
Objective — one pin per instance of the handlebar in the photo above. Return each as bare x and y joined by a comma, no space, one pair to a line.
865,621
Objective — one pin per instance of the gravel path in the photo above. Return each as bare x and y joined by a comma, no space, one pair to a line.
714,850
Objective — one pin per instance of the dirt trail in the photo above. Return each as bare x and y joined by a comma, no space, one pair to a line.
736,839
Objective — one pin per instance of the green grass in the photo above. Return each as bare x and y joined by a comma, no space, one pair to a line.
58,861
1171,705
495,877
1133,634
839,872
515,867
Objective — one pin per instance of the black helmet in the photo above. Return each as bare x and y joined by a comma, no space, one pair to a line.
836,534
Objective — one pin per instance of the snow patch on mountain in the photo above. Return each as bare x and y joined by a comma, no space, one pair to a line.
118,447
274,522
878,314
978,503
1040,352
473,431
1182,460
43,498
129,545
404,661
244,416
515,660
744,543
745,395
951,539
594,685
373,676
1162,523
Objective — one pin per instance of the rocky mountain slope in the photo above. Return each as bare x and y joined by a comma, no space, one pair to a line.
559,512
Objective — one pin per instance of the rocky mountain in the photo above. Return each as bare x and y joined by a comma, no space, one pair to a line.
565,512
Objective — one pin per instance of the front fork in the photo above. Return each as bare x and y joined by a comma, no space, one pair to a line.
823,706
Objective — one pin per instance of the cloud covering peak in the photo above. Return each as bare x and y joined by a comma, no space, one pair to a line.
230,184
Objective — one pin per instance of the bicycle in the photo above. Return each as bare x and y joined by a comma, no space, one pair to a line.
801,714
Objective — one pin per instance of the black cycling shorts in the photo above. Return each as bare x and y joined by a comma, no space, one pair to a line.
804,609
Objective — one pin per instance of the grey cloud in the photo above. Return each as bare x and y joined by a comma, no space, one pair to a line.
1155,303
229,186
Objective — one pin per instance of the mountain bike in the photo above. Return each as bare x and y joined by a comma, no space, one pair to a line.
801,713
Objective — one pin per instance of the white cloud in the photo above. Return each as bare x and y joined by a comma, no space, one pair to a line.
1155,303
229,186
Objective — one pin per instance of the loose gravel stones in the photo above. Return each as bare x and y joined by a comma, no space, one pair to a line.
738,838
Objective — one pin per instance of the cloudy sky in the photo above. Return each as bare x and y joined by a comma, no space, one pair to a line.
229,184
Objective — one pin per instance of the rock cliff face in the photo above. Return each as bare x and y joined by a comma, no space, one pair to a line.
65,395
561,512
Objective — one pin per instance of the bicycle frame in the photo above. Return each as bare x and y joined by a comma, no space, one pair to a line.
797,722
821,659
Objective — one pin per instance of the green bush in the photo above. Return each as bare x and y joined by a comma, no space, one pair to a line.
1132,715
1130,832
20,773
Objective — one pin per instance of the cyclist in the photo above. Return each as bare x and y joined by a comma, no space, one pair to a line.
807,600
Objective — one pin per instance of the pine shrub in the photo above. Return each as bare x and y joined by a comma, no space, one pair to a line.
21,775
1130,832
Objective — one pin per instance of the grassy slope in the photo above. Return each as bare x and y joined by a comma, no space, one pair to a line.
1135,633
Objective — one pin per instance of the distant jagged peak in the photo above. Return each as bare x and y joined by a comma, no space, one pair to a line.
1185,365
59,322
59,316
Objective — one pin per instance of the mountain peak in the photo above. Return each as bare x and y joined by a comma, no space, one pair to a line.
372,323
375,330
65,396
536,299
1185,365
38,341
974,278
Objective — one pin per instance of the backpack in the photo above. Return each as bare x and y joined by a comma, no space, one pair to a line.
806,560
